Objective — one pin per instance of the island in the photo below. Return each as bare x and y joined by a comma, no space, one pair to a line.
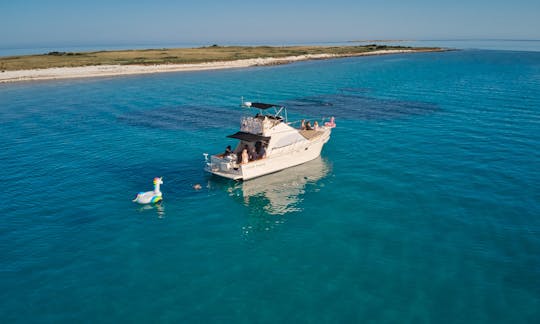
62,65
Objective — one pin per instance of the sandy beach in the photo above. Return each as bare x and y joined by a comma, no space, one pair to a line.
118,70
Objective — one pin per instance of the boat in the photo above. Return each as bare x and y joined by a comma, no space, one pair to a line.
268,143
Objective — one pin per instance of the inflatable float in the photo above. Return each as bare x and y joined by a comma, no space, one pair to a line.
151,197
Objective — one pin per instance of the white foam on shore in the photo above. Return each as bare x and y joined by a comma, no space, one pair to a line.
117,70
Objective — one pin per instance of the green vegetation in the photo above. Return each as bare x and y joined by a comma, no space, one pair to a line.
179,55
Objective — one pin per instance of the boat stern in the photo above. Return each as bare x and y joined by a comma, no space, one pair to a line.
225,167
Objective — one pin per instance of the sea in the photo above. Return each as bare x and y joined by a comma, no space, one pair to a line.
424,206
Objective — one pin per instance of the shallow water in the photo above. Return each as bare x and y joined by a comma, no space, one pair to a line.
422,208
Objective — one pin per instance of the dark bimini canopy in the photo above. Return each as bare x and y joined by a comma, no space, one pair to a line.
261,105
248,137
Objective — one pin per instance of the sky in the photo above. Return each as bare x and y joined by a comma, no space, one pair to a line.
74,22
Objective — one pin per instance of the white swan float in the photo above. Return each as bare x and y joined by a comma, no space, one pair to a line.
150,197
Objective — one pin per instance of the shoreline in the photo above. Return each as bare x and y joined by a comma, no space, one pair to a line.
93,71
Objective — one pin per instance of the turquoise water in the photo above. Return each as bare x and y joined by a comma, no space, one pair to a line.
423,208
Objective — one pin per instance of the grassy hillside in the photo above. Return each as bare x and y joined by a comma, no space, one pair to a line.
176,55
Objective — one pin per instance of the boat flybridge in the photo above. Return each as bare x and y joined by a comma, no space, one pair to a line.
268,143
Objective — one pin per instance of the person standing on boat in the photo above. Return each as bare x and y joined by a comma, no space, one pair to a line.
253,154
239,157
262,152
245,155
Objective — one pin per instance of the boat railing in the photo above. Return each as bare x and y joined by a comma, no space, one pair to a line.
225,164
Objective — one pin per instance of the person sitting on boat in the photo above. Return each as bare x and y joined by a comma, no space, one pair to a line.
228,152
315,125
308,126
331,123
303,125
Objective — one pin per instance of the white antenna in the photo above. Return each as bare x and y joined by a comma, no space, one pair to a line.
246,103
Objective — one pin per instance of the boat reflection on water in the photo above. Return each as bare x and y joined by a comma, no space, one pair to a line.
280,193
271,197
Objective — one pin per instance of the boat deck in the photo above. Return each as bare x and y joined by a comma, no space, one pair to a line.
310,134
